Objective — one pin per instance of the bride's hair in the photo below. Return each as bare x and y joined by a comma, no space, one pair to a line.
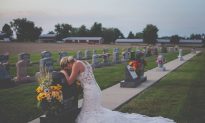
66,60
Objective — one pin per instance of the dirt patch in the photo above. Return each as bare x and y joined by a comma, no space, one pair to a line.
16,48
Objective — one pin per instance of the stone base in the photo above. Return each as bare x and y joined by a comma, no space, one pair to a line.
181,58
161,69
133,84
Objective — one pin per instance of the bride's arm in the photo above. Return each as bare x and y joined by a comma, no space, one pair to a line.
74,73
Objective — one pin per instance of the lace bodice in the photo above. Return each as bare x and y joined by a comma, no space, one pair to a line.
87,77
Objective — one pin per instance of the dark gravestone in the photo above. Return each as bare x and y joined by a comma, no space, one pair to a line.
87,54
4,59
130,78
24,56
106,59
62,54
105,50
46,54
95,61
70,109
116,58
46,64
79,55
134,77
5,79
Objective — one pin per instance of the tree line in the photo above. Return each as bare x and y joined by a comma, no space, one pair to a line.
26,30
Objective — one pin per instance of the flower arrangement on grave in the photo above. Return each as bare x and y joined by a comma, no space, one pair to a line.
49,96
137,64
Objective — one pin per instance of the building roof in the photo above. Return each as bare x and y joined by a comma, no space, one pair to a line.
190,41
82,38
163,40
47,36
129,40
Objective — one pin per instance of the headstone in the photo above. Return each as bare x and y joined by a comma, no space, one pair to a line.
79,55
87,54
116,58
46,54
24,56
62,54
134,72
163,49
106,59
170,49
4,59
105,50
46,64
125,56
5,78
180,56
94,51
95,61
116,50
154,51
193,51
69,110
148,51
160,62
21,72
176,48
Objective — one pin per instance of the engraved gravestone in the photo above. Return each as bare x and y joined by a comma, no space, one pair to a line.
79,55
116,58
4,59
46,54
95,61
62,54
46,64
87,54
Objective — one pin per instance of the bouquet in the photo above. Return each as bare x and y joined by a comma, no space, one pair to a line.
49,96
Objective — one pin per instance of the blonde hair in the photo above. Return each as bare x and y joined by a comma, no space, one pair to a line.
66,60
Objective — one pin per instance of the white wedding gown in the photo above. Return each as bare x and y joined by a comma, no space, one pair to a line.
93,112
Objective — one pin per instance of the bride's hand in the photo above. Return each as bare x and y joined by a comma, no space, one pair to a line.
65,73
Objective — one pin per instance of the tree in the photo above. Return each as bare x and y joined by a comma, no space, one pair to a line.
175,39
139,35
83,31
25,29
7,30
51,32
131,35
150,34
96,30
196,36
63,30
118,33
111,34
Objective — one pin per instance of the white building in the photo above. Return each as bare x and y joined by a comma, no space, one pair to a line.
129,41
47,38
89,40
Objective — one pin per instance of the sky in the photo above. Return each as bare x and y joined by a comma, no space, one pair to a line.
182,17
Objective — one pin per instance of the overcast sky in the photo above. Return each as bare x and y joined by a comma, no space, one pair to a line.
182,17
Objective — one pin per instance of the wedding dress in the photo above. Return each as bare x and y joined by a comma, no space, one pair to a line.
93,112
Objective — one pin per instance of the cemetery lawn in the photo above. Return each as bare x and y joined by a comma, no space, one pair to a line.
180,95
19,104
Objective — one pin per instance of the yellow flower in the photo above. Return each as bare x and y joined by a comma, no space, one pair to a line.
41,96
39,89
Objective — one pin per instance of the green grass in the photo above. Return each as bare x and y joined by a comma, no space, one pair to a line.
18,104
179,96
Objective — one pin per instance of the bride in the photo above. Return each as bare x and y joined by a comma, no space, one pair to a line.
92,110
